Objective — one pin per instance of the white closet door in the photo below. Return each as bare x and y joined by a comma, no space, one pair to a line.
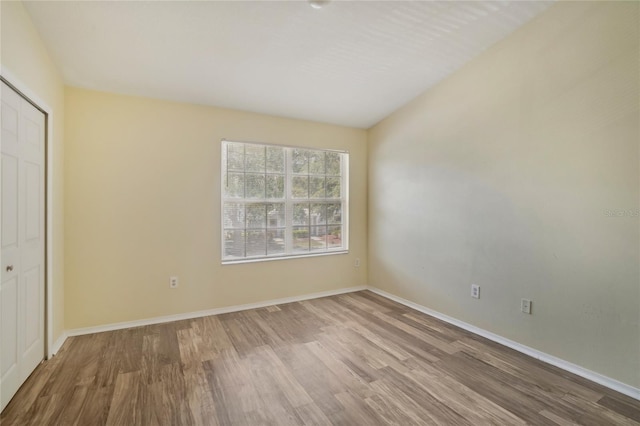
22,241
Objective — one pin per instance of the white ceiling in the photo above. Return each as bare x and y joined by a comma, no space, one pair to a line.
349,63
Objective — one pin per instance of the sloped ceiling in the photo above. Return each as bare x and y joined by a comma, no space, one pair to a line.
350,63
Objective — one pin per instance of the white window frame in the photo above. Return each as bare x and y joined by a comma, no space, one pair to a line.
288,201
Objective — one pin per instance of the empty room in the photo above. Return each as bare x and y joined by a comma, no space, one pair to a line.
320,212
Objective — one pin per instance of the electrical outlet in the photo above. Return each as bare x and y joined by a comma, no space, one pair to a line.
475,291
357,263
173,282
525,306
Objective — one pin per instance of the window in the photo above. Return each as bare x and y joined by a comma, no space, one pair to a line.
282,201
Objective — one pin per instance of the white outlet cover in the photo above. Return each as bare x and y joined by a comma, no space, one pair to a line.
475,291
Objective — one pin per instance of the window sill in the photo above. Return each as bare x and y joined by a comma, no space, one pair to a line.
287,257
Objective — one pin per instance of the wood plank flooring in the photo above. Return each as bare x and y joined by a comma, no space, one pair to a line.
353,359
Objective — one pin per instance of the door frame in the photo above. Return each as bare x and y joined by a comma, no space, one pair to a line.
30,96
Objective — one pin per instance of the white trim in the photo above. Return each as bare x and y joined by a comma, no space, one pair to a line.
284,257
57,345
18,84
341,151
208,312
544,357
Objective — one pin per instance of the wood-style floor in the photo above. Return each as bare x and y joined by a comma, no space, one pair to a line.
353,359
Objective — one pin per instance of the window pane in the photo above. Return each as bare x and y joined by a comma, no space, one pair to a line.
316,162
256,243
255,186
256,215
332,163
233,243
275,159
300,187
275,241
234,185
233,215
275,216
235,156
318,238
275,186
318,214
281,201
301,214
333,187
300,164
334,213
300,238
316,187
254,160
334,236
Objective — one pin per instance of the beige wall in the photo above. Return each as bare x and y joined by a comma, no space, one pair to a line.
501,176
143,203
24,56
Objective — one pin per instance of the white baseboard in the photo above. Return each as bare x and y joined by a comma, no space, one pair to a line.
549,359
58,344
215,311
544,357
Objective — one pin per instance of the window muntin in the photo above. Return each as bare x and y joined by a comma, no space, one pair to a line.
280,201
